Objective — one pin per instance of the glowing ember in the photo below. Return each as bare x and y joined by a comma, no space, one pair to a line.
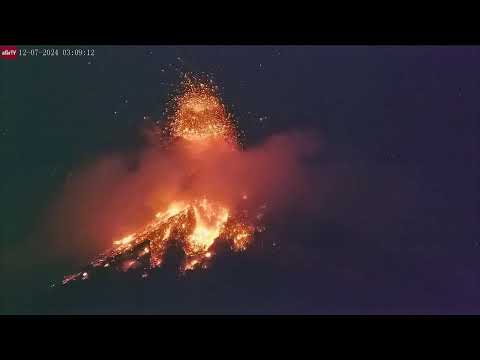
195,224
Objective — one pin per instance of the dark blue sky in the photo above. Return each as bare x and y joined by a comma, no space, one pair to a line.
401,125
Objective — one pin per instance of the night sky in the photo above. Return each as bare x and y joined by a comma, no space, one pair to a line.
396,231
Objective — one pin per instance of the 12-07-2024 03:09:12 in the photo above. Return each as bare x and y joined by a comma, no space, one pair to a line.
56,52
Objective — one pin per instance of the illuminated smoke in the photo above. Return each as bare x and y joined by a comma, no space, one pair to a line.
201,188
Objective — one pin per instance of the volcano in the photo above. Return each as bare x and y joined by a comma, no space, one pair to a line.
194,221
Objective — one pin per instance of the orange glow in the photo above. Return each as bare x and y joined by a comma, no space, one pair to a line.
194,223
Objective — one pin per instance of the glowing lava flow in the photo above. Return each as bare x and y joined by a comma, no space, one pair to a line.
196,224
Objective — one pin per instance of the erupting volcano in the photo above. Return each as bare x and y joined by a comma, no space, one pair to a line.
195,221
